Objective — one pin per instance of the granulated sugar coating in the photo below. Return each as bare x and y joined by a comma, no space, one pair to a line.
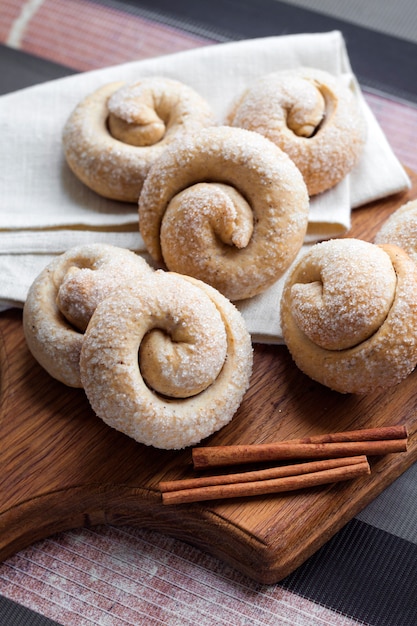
312,116
97,272
346,293
400,229
62,299
226,206
349,315
111,151
210,340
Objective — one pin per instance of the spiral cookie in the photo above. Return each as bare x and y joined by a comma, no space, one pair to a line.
113,136
63,297
400,229
193,368
310,115
226,206
349,315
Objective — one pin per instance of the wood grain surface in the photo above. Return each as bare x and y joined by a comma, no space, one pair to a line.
62,467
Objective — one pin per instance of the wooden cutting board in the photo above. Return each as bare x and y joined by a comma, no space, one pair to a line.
62,467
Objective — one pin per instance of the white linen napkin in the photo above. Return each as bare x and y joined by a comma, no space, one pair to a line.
44,209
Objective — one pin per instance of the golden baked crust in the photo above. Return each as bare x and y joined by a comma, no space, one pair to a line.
349,315
115,134
310,115
63,297
400,229
226,206
194,366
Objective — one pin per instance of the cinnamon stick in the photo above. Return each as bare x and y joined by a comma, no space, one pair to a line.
262,487
265,474
349,443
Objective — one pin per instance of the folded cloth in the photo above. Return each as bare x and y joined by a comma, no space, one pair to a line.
45,210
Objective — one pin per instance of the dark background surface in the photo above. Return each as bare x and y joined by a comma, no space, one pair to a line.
381,62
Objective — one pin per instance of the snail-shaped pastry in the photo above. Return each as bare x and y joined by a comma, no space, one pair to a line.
115,134
312,117
349,315
166,364
400,229
226,206
63,297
